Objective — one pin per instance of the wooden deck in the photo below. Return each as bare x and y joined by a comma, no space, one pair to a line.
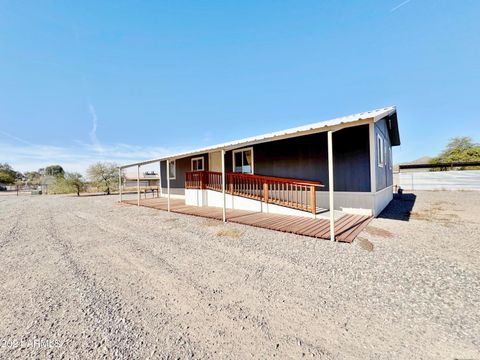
346,228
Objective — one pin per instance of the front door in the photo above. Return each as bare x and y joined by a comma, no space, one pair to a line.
215,161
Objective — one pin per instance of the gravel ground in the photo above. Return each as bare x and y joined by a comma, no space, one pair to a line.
90,278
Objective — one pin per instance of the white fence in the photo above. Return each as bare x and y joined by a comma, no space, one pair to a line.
440,180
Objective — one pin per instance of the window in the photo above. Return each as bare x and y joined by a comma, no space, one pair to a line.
380,151
390,158
172,170
197,164
243,161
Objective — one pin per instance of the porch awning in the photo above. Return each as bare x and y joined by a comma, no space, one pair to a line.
346,121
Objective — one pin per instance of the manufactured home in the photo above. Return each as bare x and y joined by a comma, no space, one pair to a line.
343,164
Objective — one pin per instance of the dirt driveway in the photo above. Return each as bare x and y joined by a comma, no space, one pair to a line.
90,278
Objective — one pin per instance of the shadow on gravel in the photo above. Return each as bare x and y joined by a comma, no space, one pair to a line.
113,193
98,194
93,194
400,207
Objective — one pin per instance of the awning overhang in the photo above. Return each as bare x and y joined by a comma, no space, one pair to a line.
330,125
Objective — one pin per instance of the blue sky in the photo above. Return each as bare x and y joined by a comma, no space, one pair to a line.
106,80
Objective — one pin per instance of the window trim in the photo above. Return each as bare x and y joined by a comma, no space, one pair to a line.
242,150
196,159
380,151
174,162
390,158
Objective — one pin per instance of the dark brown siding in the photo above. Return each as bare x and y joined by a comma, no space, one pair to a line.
351,159
182,166
305,158
298,158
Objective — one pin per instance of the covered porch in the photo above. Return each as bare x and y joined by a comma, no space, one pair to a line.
239,188
275,203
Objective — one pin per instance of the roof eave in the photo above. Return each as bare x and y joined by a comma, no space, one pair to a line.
393,130
330,125
241,143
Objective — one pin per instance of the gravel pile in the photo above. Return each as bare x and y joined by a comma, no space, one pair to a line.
90,278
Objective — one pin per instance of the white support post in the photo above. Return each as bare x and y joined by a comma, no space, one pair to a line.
373,165
330,186
224,213
168,185
138,185
160,193
120,183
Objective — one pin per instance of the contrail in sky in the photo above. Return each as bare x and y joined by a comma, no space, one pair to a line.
93,132
399,5
15,138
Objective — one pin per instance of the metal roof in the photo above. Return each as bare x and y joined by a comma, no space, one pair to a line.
346,121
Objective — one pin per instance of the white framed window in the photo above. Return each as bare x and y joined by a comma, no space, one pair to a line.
197,164
243,160
380,151
172,170
390,158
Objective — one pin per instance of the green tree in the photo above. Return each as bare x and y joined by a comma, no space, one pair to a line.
34,178
54,170
6,178
459,149
104,176
57,185
74,181
7,174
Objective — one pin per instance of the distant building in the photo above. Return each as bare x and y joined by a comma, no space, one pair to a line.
148,179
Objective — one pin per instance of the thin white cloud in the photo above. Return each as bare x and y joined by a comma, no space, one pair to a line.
93,132
14,137
28,157
399,5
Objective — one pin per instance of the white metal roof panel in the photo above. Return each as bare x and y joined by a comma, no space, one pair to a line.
349,120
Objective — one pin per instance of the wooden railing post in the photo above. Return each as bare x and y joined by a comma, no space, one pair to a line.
313,199
265,191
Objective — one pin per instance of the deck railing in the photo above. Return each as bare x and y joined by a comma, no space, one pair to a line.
292,193
195,180
213,180
203,180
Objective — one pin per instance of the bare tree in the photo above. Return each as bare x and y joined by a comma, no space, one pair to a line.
75,181
104,175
